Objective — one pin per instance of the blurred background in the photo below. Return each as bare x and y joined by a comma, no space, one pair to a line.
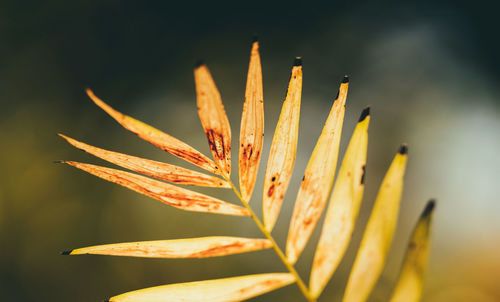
430,71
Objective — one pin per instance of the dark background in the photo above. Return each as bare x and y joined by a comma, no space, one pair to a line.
429,69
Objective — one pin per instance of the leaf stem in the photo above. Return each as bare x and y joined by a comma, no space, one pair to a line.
303,288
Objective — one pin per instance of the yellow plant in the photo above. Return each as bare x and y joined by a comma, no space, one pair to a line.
318,179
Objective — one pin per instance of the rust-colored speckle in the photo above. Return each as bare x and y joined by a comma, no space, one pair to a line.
270,192
318,262
214,138
248,151
219,250
194,158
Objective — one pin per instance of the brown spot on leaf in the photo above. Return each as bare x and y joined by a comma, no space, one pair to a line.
270,192
307,221
247,151
189,156
216,143
219,250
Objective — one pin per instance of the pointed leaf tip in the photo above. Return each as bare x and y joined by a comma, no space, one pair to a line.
345,79
403,149
429,208
199,63
364,114
297,61
68,252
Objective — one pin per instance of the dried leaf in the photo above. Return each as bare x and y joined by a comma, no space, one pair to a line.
164,192
410,284
179,248
218,290
157,137
213,118
379,231
343,208
152,168
252,126
318,179
283,149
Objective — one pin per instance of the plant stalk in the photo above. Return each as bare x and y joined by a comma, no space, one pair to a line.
303,288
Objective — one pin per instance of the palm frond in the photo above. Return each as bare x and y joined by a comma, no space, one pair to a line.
341,215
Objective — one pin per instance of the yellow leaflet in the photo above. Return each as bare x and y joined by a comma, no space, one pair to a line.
379,231
283,149
318,179
252,126
213,118
410,284
152,168
179,248
218,290
343,208
164,192
157,137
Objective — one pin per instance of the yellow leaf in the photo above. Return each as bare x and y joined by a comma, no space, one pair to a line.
410,284
252,126
283,149
179,248
152,168
318,179
218,290
213,118
169,194
379,231
343,208
157,137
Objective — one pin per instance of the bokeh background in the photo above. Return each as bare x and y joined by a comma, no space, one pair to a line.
430,71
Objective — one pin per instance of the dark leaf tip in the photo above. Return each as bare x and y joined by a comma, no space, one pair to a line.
403,149
364,114
255,38
68,252
429,208
345,79
298,61
59,161
199,63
